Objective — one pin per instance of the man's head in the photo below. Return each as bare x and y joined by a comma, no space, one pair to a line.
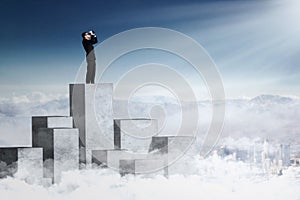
86,35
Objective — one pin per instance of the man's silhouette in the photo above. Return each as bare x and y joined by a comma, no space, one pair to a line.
88,39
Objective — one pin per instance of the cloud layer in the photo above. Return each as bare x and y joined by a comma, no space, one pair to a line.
266,116
269,116
215,179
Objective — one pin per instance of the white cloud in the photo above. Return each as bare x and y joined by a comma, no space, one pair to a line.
16,113
34,103
266,116
215,179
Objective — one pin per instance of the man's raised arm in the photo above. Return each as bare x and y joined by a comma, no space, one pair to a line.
94,39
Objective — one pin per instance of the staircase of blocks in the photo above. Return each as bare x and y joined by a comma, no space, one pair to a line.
90,136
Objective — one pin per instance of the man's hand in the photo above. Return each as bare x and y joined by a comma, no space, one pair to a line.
92,32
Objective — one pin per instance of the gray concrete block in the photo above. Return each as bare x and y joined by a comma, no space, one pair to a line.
66,151
8,161
171,144
24,163
60,122
159,144
91,109
77,111
111,158
60,150
134,134
172,149
30,164
99,157
49,122
52,122
148,167
9,155
127,167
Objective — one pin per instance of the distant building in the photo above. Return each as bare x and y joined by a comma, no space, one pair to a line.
266,149
295,162
223,151
285,154
295,150
242,155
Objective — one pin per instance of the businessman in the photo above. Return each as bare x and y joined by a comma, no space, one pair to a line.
88,39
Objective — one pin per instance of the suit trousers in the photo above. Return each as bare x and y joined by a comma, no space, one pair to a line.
91,71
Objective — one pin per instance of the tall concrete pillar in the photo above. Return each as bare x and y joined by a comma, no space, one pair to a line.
92,112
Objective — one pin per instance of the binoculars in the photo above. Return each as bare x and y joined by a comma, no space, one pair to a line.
91,32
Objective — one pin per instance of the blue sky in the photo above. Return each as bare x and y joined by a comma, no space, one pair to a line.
255,44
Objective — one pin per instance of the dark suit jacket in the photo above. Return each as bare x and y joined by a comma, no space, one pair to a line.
89,48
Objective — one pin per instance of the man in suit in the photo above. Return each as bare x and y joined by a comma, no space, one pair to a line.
88,39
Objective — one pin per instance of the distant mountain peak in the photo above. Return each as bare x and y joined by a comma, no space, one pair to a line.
269,98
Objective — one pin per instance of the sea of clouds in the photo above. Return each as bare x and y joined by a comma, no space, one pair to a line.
247,121
265,116
215,179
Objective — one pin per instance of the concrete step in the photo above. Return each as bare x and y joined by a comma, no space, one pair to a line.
111,158
52,122
175,151
149,167
170,144
134,134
